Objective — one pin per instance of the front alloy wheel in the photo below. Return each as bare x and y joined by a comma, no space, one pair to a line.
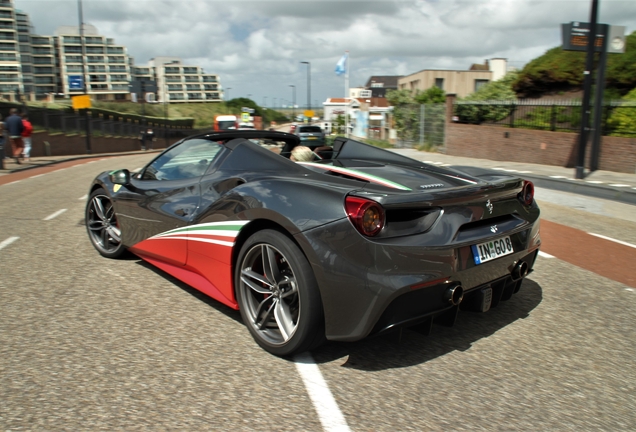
278,296
102,225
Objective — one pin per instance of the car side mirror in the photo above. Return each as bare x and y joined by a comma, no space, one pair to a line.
120,177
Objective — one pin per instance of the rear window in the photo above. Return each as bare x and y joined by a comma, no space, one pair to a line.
309,129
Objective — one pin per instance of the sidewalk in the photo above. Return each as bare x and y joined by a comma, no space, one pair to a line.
600,184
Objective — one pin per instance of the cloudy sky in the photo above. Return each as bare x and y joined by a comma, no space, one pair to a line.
256,46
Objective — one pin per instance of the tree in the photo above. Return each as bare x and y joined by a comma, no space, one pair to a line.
500,90
433,95
623,119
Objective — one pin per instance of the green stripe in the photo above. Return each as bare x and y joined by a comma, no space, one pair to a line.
397,185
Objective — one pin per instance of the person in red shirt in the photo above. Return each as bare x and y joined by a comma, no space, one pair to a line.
26,137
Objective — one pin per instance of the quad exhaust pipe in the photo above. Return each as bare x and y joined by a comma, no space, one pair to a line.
519,271
454,294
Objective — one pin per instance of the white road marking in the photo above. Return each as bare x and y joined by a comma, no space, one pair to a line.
630,289
613,240
326,407
54,215
594,181
7,242
13,182
545,255
83,198
36,176
93,161
620,185
558,177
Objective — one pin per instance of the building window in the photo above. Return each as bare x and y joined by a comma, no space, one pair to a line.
189,70
118,78
479,83
115,50
73,68
117,69
73,59
376,85
42,70
72,39
172,70
95,59
439,83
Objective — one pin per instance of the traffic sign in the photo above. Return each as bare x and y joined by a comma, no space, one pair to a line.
309,113
75,82
80,102
245,117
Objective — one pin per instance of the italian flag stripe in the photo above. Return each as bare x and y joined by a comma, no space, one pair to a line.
358,174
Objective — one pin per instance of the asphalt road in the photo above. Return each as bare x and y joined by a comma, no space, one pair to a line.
88,343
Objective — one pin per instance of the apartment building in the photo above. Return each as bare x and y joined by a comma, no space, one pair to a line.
106,66
10,65
177,82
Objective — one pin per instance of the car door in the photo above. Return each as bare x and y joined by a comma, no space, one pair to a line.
164,197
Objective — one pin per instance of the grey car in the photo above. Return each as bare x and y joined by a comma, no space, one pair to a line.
310,136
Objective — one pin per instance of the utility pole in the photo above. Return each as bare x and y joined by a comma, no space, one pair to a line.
587,91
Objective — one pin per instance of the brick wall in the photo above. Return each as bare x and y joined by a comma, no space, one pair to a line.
540,147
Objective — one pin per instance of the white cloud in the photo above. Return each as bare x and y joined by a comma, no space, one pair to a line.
257,46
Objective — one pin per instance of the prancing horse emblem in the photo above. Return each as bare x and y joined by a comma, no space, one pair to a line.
489,206
493,228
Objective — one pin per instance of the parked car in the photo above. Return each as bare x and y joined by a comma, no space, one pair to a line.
310,135
343,248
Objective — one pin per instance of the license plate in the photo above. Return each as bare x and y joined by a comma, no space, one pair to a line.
312,138
484,252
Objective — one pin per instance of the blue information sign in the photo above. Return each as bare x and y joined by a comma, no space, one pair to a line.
75,82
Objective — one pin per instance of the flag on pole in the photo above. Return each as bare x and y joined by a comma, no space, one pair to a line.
341,67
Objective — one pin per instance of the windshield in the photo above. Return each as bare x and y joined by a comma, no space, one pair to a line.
310,129
226,124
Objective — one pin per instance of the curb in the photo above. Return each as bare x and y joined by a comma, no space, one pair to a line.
73,158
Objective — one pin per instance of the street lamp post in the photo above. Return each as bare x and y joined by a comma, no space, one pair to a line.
293,102
84,85
227,93
308,86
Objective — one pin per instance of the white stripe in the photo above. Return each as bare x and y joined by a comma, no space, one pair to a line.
630,289
84,198
614,240
620,185
7,242
54,215
36,176
13,182
545,255
324,403
594,181
202,240
558,177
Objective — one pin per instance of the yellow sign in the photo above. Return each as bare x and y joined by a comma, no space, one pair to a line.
309,113
245,117
83,101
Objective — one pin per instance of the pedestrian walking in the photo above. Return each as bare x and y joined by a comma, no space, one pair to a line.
150,136
26,137
15,127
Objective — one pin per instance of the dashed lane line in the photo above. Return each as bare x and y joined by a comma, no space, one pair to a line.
7,242
613,240
54,215
325,405
545,255
83,198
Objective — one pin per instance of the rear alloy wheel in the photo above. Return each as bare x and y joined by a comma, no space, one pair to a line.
278,295
102,225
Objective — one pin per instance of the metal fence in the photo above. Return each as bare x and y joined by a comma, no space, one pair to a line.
65,122
420,126
617,117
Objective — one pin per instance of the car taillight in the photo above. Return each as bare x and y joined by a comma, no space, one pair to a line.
366,215
526,195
